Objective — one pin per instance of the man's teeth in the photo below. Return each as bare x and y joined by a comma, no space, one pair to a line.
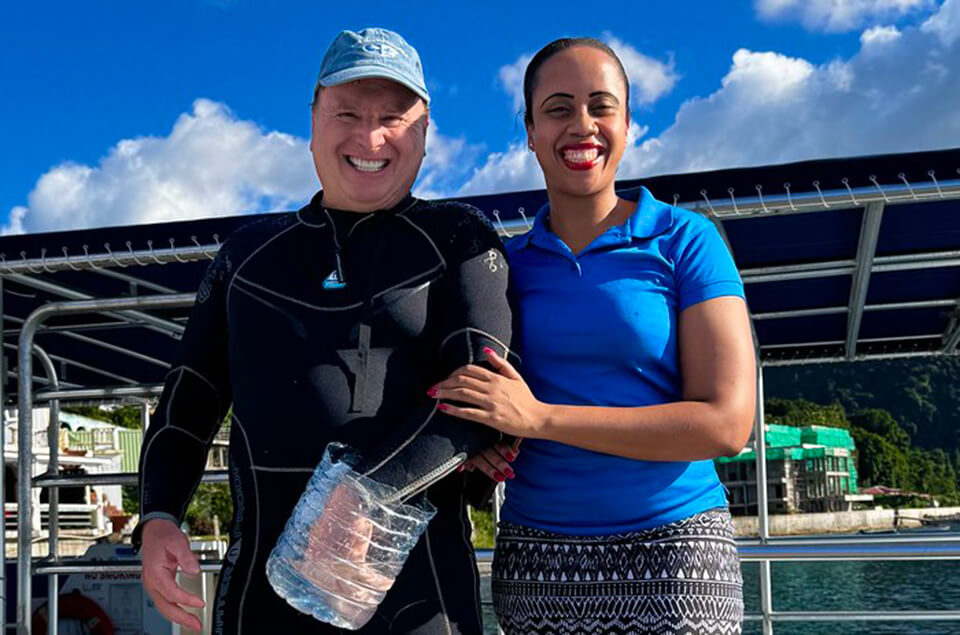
367,166
581,156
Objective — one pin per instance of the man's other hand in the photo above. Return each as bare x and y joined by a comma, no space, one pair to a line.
165,548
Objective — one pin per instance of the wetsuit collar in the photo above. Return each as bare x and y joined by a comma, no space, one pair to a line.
315,215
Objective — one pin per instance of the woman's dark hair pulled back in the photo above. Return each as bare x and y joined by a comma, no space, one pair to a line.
551,49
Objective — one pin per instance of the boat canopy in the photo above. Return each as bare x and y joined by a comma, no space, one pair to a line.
843,260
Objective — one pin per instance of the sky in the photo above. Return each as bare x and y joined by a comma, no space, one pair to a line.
117,113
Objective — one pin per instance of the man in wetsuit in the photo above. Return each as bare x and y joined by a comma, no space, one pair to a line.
331,324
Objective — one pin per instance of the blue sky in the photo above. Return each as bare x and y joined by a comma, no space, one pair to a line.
118,112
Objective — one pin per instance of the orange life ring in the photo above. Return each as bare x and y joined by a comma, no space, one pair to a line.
75,606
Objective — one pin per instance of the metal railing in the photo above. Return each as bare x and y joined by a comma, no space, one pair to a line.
27,349
764,549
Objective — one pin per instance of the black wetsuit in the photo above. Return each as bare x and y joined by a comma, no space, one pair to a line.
322,326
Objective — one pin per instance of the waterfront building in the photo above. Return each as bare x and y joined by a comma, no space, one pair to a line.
809,469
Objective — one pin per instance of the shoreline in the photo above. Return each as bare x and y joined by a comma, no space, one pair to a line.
843,522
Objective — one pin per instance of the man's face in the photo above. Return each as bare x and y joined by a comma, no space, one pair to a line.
367,140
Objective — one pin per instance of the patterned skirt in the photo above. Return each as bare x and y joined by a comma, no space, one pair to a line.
680,578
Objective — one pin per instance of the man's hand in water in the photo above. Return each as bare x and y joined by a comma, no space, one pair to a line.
335,559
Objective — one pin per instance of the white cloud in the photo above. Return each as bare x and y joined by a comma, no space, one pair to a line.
879,35
211,164
511,79
838,15
769,76
514,169
945,24
448,161
771,108
898,93
650,79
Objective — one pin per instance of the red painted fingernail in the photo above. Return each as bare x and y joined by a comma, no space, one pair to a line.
433,391
508,472
442,406
488,350
461,466
510,456
498,476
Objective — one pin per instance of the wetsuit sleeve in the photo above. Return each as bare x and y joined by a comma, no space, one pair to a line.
196,397
471,313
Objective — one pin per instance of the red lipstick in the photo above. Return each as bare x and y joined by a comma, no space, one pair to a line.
581,156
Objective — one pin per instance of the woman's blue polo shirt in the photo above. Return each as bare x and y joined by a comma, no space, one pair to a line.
600,329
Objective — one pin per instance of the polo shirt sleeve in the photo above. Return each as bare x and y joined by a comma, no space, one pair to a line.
704,268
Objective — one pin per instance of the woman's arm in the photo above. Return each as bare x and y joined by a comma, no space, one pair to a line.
713,419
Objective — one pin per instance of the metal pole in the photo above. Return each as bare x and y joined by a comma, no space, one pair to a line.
881,264
150,321
763,520
25,475
115,259
95,342
115,392
834,200
25,390
24,485
3,484
866,250
144,419
114,478
53,514
93,369
499,493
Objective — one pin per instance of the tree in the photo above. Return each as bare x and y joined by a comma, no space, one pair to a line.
931,472
922,395
801,412
123,416
211,499
881,422
879,462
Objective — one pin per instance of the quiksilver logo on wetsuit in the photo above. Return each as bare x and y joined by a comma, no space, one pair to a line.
334,281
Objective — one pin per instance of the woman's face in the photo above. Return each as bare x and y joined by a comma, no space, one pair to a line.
580,120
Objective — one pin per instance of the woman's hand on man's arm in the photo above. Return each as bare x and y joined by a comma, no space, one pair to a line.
495,461
498,398
712,418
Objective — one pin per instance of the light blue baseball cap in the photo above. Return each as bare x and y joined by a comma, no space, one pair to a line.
372,53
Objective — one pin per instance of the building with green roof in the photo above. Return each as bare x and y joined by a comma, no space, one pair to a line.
809,469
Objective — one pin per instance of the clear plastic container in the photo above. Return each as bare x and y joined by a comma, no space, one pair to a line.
345,543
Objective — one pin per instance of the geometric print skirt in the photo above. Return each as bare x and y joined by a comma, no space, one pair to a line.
679,578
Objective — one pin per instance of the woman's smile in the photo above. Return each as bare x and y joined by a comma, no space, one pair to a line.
581,156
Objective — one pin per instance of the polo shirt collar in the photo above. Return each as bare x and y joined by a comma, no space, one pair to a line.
651,218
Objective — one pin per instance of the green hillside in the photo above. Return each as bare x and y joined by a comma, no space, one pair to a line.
923,396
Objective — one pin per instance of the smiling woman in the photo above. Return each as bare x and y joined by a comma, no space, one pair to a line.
638,369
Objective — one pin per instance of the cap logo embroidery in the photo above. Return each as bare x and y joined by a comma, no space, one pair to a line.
381,49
